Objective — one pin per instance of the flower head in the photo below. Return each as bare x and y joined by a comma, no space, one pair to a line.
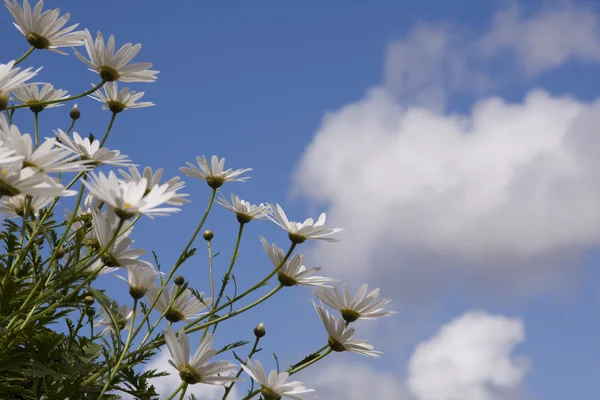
140,279
119,253
12,78
214,173
122,317
362,306
31,94
301,231
340,335
130,198
153,179
185,307
47,156
293,272
275,386
91,150
44,30
15,206
198,369
113,66
117,101
14,180
244,210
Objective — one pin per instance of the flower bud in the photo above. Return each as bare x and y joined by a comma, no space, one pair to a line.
91,312
208,235
260,330
89,300
60,252
179,280
75,114
4,99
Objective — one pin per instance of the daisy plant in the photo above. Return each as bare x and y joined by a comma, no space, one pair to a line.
71,207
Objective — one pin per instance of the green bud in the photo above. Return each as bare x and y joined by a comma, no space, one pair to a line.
208,235
260,330
179,280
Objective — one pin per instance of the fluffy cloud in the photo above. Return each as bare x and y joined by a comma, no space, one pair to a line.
354,380
516,183
435,59
545,39
470,358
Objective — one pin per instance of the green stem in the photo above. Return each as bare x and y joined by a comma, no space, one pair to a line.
311,362
178,262
176,391
24,56
110,125
45,103
36,122
123,352
183,392
252,352
160,341
71,126
231,264
91,277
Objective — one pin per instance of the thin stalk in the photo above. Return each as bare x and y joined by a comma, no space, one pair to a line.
110,125
183,392
252,352
231,264
91,277
24,56
177,391
127,344
36,124
45,103
159,342
311,362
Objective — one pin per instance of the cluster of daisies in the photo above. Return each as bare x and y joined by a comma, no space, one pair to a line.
30,173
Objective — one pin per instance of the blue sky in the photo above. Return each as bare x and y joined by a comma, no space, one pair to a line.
315,97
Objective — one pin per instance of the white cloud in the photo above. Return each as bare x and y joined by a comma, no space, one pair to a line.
547,38
515,183
435,59
355,380
470,358
167,384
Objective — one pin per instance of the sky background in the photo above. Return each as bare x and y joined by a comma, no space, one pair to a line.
455,141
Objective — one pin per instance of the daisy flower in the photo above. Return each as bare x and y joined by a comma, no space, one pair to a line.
47,157
301,231
122,319
340,336
44,30
91,150
117,101
153,179
113,66
119,254
31,94
275,386
185,307
213,173
14,180
15,206
362,306
12,78
244,211
198,370
140,279
130,198
293,272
